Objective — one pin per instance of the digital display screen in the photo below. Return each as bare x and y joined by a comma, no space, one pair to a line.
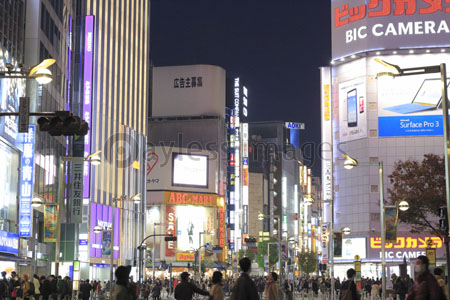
352,107
190,170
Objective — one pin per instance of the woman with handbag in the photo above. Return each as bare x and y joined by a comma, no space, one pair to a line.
217,292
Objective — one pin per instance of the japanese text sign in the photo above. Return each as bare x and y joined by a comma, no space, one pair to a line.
363,25
26,182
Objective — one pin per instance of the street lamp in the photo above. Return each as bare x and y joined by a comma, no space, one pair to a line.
349,164
212,233
261,217
40,72
99,229
346,230
442,70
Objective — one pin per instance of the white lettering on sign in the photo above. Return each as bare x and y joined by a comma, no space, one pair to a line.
89,41
402,254
397,29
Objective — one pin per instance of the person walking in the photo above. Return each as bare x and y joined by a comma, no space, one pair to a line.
245,288
425,286
271,290
156,291
185,290
217,292
27,290
348,288
37,287
120,291
85,290
440,277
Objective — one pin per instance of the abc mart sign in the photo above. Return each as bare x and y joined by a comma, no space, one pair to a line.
367,25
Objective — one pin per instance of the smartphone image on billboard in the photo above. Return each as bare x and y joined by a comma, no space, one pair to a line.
352,108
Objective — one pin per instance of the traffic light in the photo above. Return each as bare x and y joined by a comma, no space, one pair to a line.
250,240
63,123
443,218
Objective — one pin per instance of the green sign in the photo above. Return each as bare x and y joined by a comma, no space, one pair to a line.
76,266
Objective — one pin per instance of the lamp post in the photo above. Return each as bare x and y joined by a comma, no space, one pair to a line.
261,217
97,229
40,72
200,251
442,70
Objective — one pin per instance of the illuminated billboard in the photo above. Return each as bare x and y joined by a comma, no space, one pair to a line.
411,105
352,110
191,220
367,25
352,247
190,170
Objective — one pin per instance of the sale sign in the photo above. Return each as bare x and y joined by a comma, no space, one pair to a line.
170,229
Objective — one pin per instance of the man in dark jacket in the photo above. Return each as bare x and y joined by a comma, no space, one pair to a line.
425,286
245,288
185,290
349,287
85,290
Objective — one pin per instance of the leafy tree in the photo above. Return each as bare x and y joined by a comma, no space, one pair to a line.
422,184
246,253
262,252
307,262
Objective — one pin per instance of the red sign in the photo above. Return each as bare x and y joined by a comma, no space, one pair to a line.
170,229
222,226
383,8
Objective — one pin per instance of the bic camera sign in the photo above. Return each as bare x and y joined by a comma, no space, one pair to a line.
363,25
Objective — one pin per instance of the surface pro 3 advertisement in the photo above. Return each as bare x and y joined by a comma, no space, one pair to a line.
410,106
352,109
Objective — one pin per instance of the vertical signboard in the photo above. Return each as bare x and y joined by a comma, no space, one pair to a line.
87,96
170,229
237,160
327,141
222,226
324,243
391,215
101,215
50,223
26,182
77,191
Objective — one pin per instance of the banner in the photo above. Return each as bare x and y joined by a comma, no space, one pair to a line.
171,222
324,239
50,223
26,182
391,220
327,141
337,244
106,244
76,209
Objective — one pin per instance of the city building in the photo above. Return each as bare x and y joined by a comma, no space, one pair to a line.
186,169
362,117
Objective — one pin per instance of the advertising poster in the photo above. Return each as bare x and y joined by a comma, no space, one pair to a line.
337,244
391,224
191,220
50,223
327,140
410,106
101,215
352,110
352,247
106,244
9,243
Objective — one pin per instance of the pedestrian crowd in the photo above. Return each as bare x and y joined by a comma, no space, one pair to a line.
425,286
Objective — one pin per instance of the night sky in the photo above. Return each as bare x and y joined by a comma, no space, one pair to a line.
276,46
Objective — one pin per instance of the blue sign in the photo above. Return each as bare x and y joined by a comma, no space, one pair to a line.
83,242
9,243
410,126
245,161
26,182
293,125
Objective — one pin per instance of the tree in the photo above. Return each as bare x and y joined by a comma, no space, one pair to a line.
422,184
246,253
262,252
307,261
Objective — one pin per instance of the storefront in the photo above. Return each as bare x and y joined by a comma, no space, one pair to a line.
197,220
406,249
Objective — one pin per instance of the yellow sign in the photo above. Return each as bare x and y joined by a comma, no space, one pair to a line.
186,256
407,243
181,198
431,255
357,257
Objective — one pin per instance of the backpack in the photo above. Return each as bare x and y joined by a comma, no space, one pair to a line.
32,289
346,294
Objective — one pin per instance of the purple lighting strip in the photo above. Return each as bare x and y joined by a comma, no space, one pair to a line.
87,97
